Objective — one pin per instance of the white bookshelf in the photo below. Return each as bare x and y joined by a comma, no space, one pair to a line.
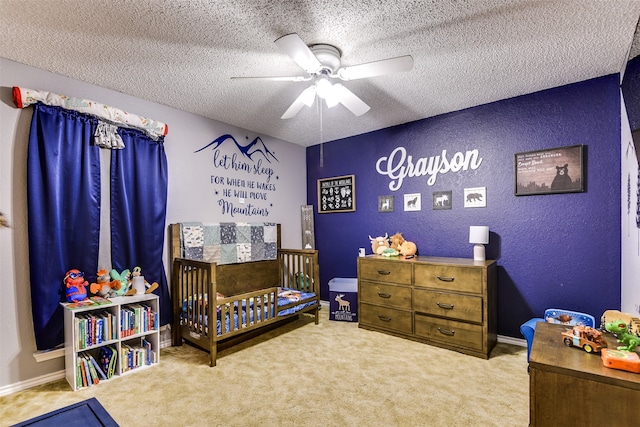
130,324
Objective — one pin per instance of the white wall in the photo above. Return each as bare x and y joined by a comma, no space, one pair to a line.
630,232
191,196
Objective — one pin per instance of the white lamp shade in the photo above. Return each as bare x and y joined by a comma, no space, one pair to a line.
479,234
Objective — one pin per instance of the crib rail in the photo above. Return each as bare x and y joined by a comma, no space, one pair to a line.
299,269
193,283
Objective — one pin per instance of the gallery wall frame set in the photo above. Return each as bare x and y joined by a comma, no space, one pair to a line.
337,194
550,171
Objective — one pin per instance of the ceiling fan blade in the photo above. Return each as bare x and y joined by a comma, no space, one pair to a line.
305,98
276,79
347,98
292,45
376,68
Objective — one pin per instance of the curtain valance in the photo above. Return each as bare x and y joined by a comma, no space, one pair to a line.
24,97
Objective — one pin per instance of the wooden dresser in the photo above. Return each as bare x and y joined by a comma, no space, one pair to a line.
570,387
447,302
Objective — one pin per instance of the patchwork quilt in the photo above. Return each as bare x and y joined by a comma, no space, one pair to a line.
229,242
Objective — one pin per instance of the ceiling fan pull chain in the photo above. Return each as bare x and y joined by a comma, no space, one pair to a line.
321,136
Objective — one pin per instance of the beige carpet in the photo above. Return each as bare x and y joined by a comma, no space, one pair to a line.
332,374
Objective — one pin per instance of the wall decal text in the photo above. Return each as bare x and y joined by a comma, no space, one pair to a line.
398,165
254,162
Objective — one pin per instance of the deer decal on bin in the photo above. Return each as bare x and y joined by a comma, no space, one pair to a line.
343,305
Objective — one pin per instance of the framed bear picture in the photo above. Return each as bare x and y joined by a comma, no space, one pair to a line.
551,171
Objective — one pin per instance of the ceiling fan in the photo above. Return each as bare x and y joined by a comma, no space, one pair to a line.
322,63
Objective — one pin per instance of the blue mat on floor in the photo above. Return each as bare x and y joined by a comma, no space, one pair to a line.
87,413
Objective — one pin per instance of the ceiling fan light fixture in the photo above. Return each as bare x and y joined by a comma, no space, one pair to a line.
323,87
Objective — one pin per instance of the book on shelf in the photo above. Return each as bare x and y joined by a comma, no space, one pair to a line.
97,367
98,300
93,301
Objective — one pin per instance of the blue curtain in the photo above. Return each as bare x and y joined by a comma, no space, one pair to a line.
63,195
139,210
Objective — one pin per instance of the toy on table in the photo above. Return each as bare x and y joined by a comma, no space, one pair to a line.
621,330
620,359
408,249
584,337
379,244
75,285
396,241
136,275
104,286
390,252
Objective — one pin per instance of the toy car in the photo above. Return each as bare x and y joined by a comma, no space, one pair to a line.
585,337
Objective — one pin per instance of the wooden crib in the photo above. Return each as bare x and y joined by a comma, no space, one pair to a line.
244,298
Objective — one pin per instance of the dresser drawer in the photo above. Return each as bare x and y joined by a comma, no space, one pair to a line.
383,294
389,271
386,318
446,304
463,279
455,333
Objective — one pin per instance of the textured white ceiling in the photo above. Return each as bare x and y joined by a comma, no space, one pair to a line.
183,53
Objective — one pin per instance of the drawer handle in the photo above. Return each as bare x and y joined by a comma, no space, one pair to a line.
384,318
384,272
446,332
445,306
381,295
445,279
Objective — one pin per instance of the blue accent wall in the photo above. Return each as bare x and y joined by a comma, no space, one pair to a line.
553,251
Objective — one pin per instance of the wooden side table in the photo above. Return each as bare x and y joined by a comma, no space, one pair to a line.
569,386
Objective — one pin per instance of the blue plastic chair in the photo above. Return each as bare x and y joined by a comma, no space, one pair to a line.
554,315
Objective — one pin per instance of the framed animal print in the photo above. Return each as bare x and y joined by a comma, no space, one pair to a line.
412,202
475,197
551,171
337,194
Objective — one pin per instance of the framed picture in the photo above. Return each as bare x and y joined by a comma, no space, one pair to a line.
385,203
412,202
337,194
556,170
475,197
441,200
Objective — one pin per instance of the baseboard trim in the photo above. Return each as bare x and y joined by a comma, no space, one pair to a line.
33,382
511,340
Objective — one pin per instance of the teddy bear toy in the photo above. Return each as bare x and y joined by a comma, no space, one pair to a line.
75,285
104,286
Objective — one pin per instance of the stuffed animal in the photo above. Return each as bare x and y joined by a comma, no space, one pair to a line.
137,272
379,244
396,241
105,287
408,248
75,285
390,252
123,278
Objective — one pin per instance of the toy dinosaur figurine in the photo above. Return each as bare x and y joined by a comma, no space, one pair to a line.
621,331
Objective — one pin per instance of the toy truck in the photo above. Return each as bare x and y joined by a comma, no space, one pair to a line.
585,337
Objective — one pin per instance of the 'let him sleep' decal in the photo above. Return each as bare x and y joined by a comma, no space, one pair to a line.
247,191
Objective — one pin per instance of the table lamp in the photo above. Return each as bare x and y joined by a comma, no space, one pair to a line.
479,236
